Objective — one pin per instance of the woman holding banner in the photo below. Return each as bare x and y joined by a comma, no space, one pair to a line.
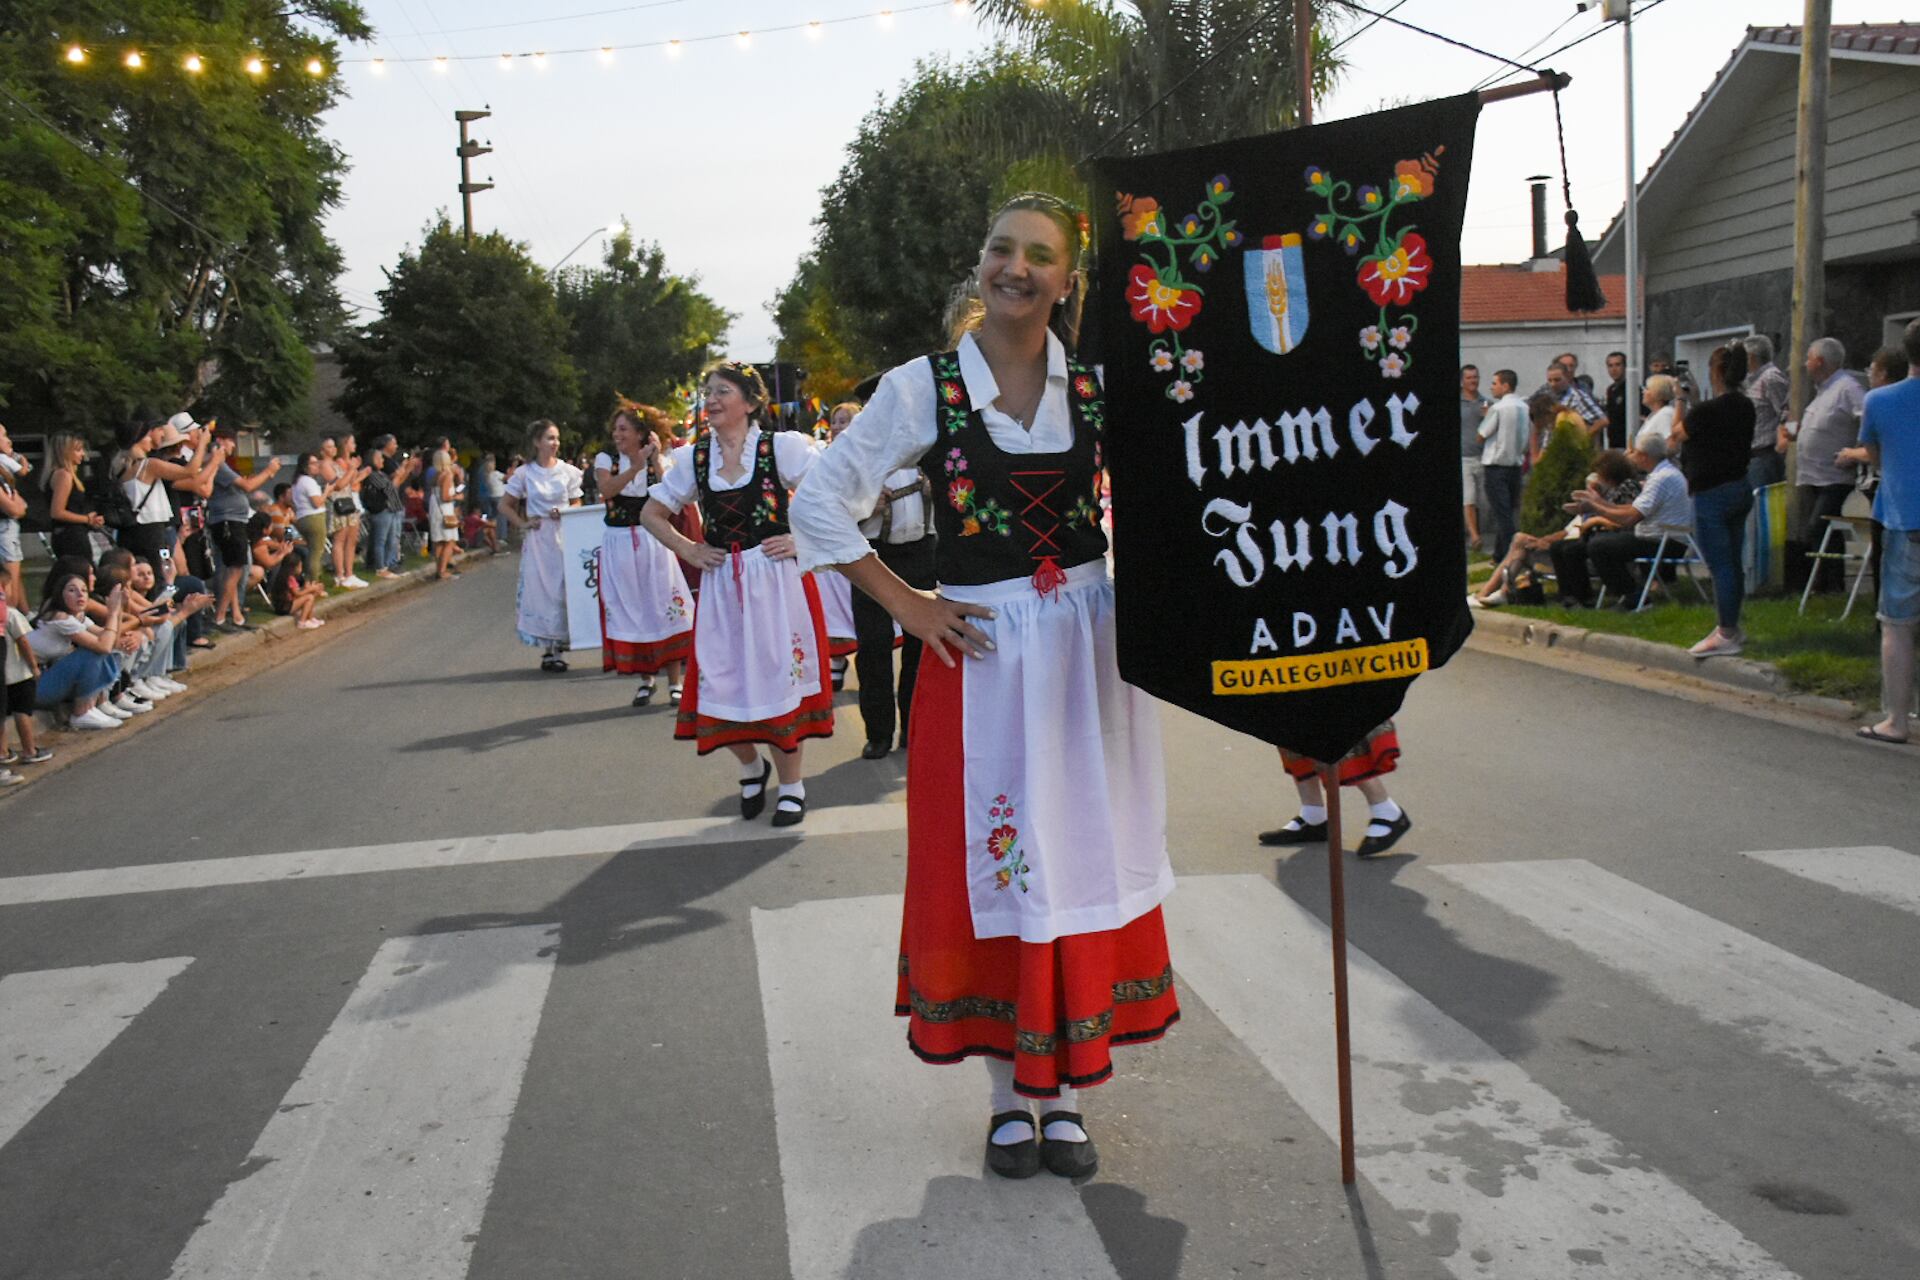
646,610
759,667
1036,828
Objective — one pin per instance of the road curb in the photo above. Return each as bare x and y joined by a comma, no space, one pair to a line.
1744,674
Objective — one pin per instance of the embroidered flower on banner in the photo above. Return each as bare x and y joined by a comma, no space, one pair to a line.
1158,305
1392,279
1370,339
1139,216
1392,365
1161,361
1401,338
1181,391
1193,361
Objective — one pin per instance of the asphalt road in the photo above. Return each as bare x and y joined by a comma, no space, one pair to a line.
404,959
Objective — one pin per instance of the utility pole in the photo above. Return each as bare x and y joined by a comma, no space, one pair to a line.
1810,196
467,151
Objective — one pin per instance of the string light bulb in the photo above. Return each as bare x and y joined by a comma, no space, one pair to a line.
256,66
75,54
506,62
540,60
745,38
815,30
886,19
315,67
378,66
193,64
440,64
673,48
606,53
134,61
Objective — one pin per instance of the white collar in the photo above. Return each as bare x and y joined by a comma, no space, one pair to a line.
982,390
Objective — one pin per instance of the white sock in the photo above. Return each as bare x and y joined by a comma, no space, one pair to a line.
1065,1130
1384,814
795,790
1001,1097
1313,815
750,784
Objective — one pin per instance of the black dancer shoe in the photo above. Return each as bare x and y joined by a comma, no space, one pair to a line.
750,806
1068,1159
1374,846
643,695
1013,1159
788,810
1295,832
874,751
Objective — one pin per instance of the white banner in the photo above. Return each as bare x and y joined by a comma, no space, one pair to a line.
581,529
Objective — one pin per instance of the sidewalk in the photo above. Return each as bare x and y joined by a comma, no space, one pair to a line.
235,658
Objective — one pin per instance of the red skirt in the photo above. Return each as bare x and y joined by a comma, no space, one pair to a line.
813,718
841,646
641,657
1055,1009
1375,757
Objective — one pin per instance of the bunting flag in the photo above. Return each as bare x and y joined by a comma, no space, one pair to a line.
1283,442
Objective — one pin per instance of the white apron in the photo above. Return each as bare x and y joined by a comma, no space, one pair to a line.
540,609
836,604
643,593
755,639
1062,757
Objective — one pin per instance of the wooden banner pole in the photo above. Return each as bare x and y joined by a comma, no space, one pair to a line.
1337,892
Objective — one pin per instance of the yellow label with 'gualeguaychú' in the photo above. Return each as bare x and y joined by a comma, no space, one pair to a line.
1396,661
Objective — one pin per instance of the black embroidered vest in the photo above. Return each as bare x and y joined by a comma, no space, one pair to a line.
1013,515
623,511
741,518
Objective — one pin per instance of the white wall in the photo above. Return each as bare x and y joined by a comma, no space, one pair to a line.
1526,349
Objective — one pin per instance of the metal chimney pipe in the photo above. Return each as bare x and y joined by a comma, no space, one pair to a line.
1539,184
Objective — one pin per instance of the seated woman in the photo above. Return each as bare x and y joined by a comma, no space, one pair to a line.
79,661
1613,477
291,593
162,614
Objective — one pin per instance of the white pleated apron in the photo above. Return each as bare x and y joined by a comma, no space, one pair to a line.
754,639
643,593
1064,774
540,609
836,604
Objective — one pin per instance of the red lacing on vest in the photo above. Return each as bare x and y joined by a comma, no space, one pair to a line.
731,519
1038,488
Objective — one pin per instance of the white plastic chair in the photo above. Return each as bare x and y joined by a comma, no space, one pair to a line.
1687,555
1855,543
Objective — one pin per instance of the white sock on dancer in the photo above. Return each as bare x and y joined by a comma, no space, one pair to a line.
1001,1097
750,784
1384,815
1313,814
795,790
1064,1130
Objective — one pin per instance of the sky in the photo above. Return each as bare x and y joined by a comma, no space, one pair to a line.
717,150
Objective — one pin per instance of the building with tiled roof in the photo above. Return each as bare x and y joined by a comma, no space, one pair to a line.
1716,209
1515,317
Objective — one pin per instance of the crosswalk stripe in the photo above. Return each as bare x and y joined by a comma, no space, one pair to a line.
880,1154
53,1022
381,1156
1890,876
1504,1178
1854,1040
461,851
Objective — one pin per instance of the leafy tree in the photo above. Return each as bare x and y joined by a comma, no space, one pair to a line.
470,343
637,329
161,231
1563,466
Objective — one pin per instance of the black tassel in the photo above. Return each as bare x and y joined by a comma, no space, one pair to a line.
1583,286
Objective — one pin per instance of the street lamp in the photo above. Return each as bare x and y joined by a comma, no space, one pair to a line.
611,229
1621,12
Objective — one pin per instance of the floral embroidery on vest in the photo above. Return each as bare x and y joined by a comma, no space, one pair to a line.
1003,844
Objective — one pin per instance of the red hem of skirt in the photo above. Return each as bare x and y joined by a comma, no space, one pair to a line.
1146,1036
841,647
813,718
643,657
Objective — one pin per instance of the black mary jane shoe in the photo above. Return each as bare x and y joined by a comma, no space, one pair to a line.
1013,1159
1295,832
751,805
643,695
874,751
1374,846
1068,1159
788,810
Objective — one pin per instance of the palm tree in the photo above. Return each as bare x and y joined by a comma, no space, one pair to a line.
1106,62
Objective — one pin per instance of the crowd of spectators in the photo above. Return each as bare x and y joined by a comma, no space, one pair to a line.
1691,476
156,550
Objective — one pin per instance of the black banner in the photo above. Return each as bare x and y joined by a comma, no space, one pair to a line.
1280,324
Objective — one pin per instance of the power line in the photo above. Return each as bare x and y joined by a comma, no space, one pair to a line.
1558,27
1576,43
1435,35
1363,28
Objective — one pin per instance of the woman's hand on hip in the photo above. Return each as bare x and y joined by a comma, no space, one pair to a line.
702,555
942,625
779,547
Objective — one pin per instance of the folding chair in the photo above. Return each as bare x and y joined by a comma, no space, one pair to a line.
1854,545
1687,555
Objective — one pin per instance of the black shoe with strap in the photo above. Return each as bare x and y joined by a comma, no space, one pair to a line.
788,810
1068,1159
1373,846
751,805
1013,1159
1298,831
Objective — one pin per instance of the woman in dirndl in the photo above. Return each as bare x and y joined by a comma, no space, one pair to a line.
539,491
1036,816
759,667
1365,767
646,610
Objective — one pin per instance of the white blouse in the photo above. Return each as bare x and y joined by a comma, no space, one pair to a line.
895,430
613,466
794,456
545,490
